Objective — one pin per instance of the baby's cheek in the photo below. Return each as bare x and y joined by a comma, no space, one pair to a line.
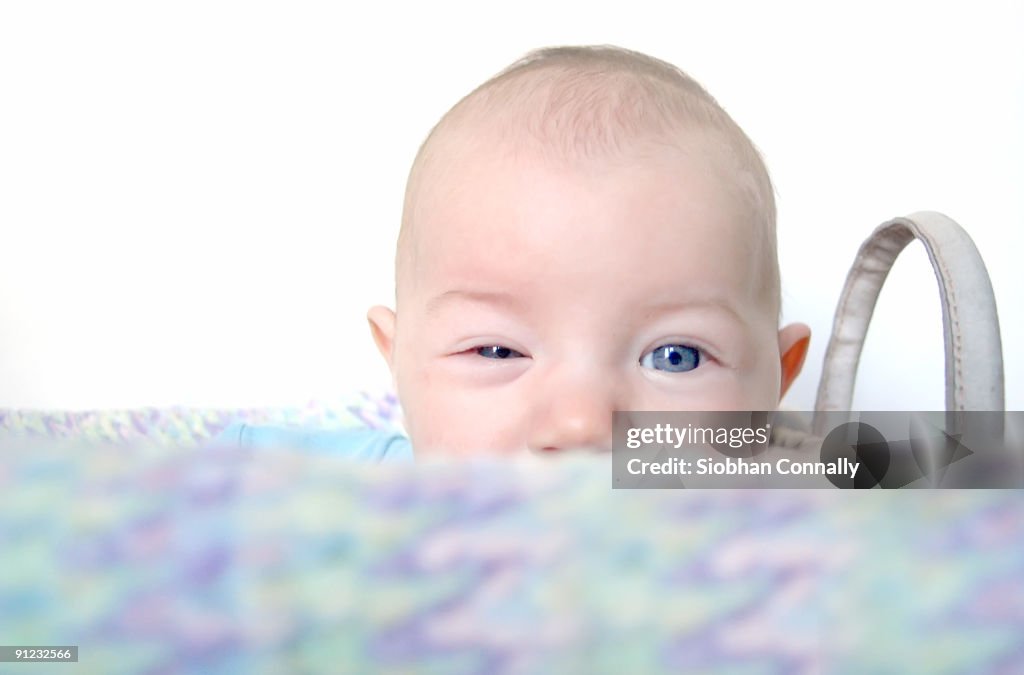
458,430
430,421
761,389
445,418
718,390
725,396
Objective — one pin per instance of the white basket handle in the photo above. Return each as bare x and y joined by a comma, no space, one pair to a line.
974,354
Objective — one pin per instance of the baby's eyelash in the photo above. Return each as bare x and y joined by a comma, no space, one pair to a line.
497,352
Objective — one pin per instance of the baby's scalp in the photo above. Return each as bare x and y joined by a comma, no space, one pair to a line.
582,105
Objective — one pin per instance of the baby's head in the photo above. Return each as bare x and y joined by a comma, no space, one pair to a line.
586,232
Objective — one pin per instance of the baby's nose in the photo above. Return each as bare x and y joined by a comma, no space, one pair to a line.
573,416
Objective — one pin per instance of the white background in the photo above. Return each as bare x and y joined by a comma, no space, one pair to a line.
199,200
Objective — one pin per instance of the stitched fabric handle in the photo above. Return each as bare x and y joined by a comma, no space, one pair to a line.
974,354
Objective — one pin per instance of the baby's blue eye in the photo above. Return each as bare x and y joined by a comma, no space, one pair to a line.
672,358
498,352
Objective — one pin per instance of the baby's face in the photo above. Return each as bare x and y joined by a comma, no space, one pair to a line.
543,297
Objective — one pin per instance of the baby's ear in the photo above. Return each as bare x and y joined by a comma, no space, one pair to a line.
382,327
793,342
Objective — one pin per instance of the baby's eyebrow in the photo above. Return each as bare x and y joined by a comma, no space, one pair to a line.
673,306
513,302
502,299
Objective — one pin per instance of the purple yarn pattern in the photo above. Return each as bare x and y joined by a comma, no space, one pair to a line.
182,560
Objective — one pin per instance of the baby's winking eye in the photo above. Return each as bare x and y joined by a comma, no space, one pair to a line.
498,352
672,358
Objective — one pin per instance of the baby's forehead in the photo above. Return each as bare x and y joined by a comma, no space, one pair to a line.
564,266
588,120
480,154
475,165
555,211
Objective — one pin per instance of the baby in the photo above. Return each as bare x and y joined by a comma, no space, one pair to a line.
586,232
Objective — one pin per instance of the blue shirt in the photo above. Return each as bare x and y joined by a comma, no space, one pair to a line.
363,445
